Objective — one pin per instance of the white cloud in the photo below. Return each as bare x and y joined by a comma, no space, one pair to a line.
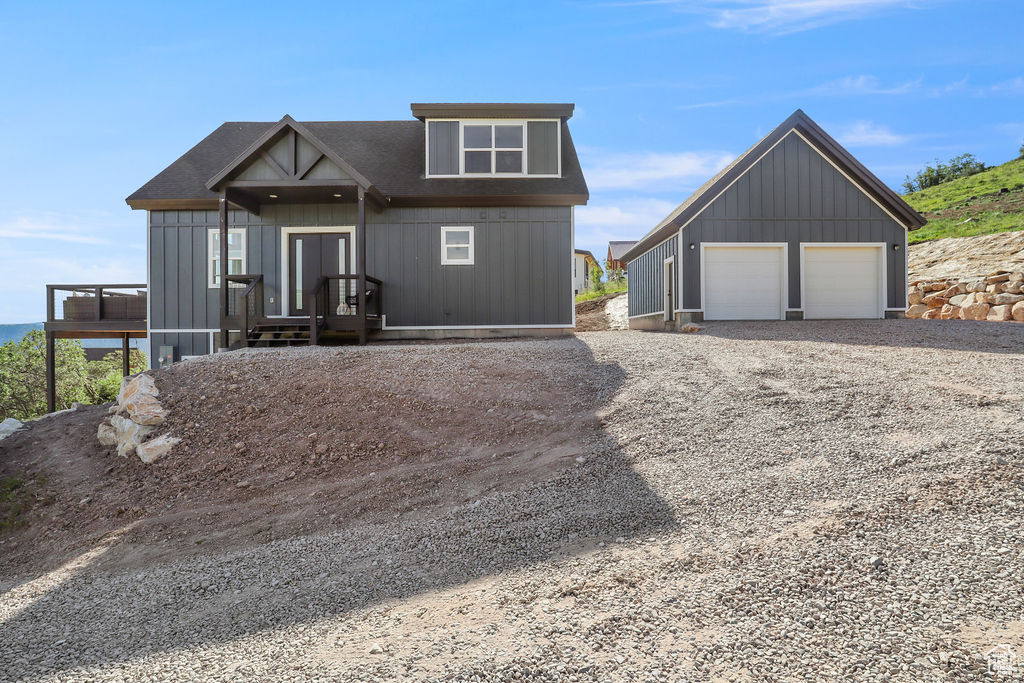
868,134
47,230
625,219
1010,87
790,16
631,171
863,84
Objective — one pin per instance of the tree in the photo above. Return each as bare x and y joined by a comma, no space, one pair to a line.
930,176
595,278
23,375
104,381
615,273
1021,150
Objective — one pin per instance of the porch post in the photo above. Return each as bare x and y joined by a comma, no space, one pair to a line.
361,264
51,374
126,366
223,207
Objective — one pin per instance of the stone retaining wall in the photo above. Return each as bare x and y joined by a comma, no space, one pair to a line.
998,297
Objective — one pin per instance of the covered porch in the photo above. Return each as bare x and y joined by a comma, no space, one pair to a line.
325,287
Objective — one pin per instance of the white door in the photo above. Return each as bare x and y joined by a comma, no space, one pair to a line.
744,282
842,281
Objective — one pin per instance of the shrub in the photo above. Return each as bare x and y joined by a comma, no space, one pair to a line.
930,176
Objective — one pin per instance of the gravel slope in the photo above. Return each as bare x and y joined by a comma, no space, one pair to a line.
763,501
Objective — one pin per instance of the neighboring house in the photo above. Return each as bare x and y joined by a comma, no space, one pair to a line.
616,250
583,262
794,228
458,222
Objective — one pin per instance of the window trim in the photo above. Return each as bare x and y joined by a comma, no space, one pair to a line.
471,260
493,122
213,237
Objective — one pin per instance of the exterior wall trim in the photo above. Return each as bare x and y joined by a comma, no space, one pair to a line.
784,246
669,306
647,315
551,326
289,230
883,285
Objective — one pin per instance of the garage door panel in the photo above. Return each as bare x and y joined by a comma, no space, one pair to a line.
842,282
743,283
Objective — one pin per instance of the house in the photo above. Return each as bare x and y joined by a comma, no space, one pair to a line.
616,250
795,228
456,222
583,262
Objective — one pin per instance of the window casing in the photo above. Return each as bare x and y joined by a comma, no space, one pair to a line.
457,247
236,254
498,148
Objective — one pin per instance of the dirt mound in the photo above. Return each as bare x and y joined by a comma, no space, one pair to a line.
591,316
966,257
281,442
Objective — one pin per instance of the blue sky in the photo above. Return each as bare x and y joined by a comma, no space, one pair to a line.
99,97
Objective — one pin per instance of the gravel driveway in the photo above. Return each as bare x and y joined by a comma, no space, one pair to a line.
766,501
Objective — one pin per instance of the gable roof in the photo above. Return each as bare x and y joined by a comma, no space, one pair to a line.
617,248
584,252
388,155
864,179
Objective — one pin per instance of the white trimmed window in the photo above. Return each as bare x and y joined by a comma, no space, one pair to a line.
457,246
493,148
236,254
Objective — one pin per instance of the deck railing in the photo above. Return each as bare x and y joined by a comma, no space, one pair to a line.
336,298
245,304
95,303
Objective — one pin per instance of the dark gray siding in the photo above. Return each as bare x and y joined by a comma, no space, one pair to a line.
542,147
521,275
792,195
648,271
444,147
184,343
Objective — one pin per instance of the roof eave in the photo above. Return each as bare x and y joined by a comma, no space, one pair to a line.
500,110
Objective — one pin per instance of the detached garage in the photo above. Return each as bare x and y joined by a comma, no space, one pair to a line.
795,228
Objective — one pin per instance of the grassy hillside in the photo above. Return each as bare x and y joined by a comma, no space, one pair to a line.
972,205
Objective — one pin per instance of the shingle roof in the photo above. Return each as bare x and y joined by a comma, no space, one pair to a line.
619,247
798,120
390,154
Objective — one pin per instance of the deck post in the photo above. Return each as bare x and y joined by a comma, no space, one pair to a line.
51,374
126,366
223,211
361,265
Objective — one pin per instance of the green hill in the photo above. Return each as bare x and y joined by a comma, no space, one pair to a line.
987,202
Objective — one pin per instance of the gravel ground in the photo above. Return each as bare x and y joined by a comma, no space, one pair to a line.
761,501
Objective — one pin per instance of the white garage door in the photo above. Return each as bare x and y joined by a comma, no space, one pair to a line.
842,282
743,283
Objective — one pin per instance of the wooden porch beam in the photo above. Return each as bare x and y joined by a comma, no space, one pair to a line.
272,162
361,263
301,173
223,212
242,200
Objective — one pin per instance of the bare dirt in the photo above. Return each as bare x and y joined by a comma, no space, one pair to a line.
273,449
591,315
966,257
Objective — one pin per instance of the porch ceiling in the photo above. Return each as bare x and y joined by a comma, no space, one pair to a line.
250,196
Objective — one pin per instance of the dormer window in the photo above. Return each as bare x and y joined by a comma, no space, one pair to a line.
501,148
492,148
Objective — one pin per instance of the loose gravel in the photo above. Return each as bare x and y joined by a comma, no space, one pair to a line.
762,501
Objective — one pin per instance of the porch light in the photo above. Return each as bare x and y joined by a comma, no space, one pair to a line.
337,196
895,247
692,246
273,196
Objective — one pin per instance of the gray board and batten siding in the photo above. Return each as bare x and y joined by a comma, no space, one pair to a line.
791,195
649,268
523,253
541,147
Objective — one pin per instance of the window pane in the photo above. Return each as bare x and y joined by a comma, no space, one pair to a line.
509,162
235,244
508,136
456,237
476,137
478,162
458,253
234,266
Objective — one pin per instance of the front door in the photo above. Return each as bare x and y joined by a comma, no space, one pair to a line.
310,257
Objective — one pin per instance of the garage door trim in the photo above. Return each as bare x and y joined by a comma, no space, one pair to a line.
883,271
783,276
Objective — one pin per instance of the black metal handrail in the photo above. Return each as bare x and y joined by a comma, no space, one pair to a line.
251,308
320,300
